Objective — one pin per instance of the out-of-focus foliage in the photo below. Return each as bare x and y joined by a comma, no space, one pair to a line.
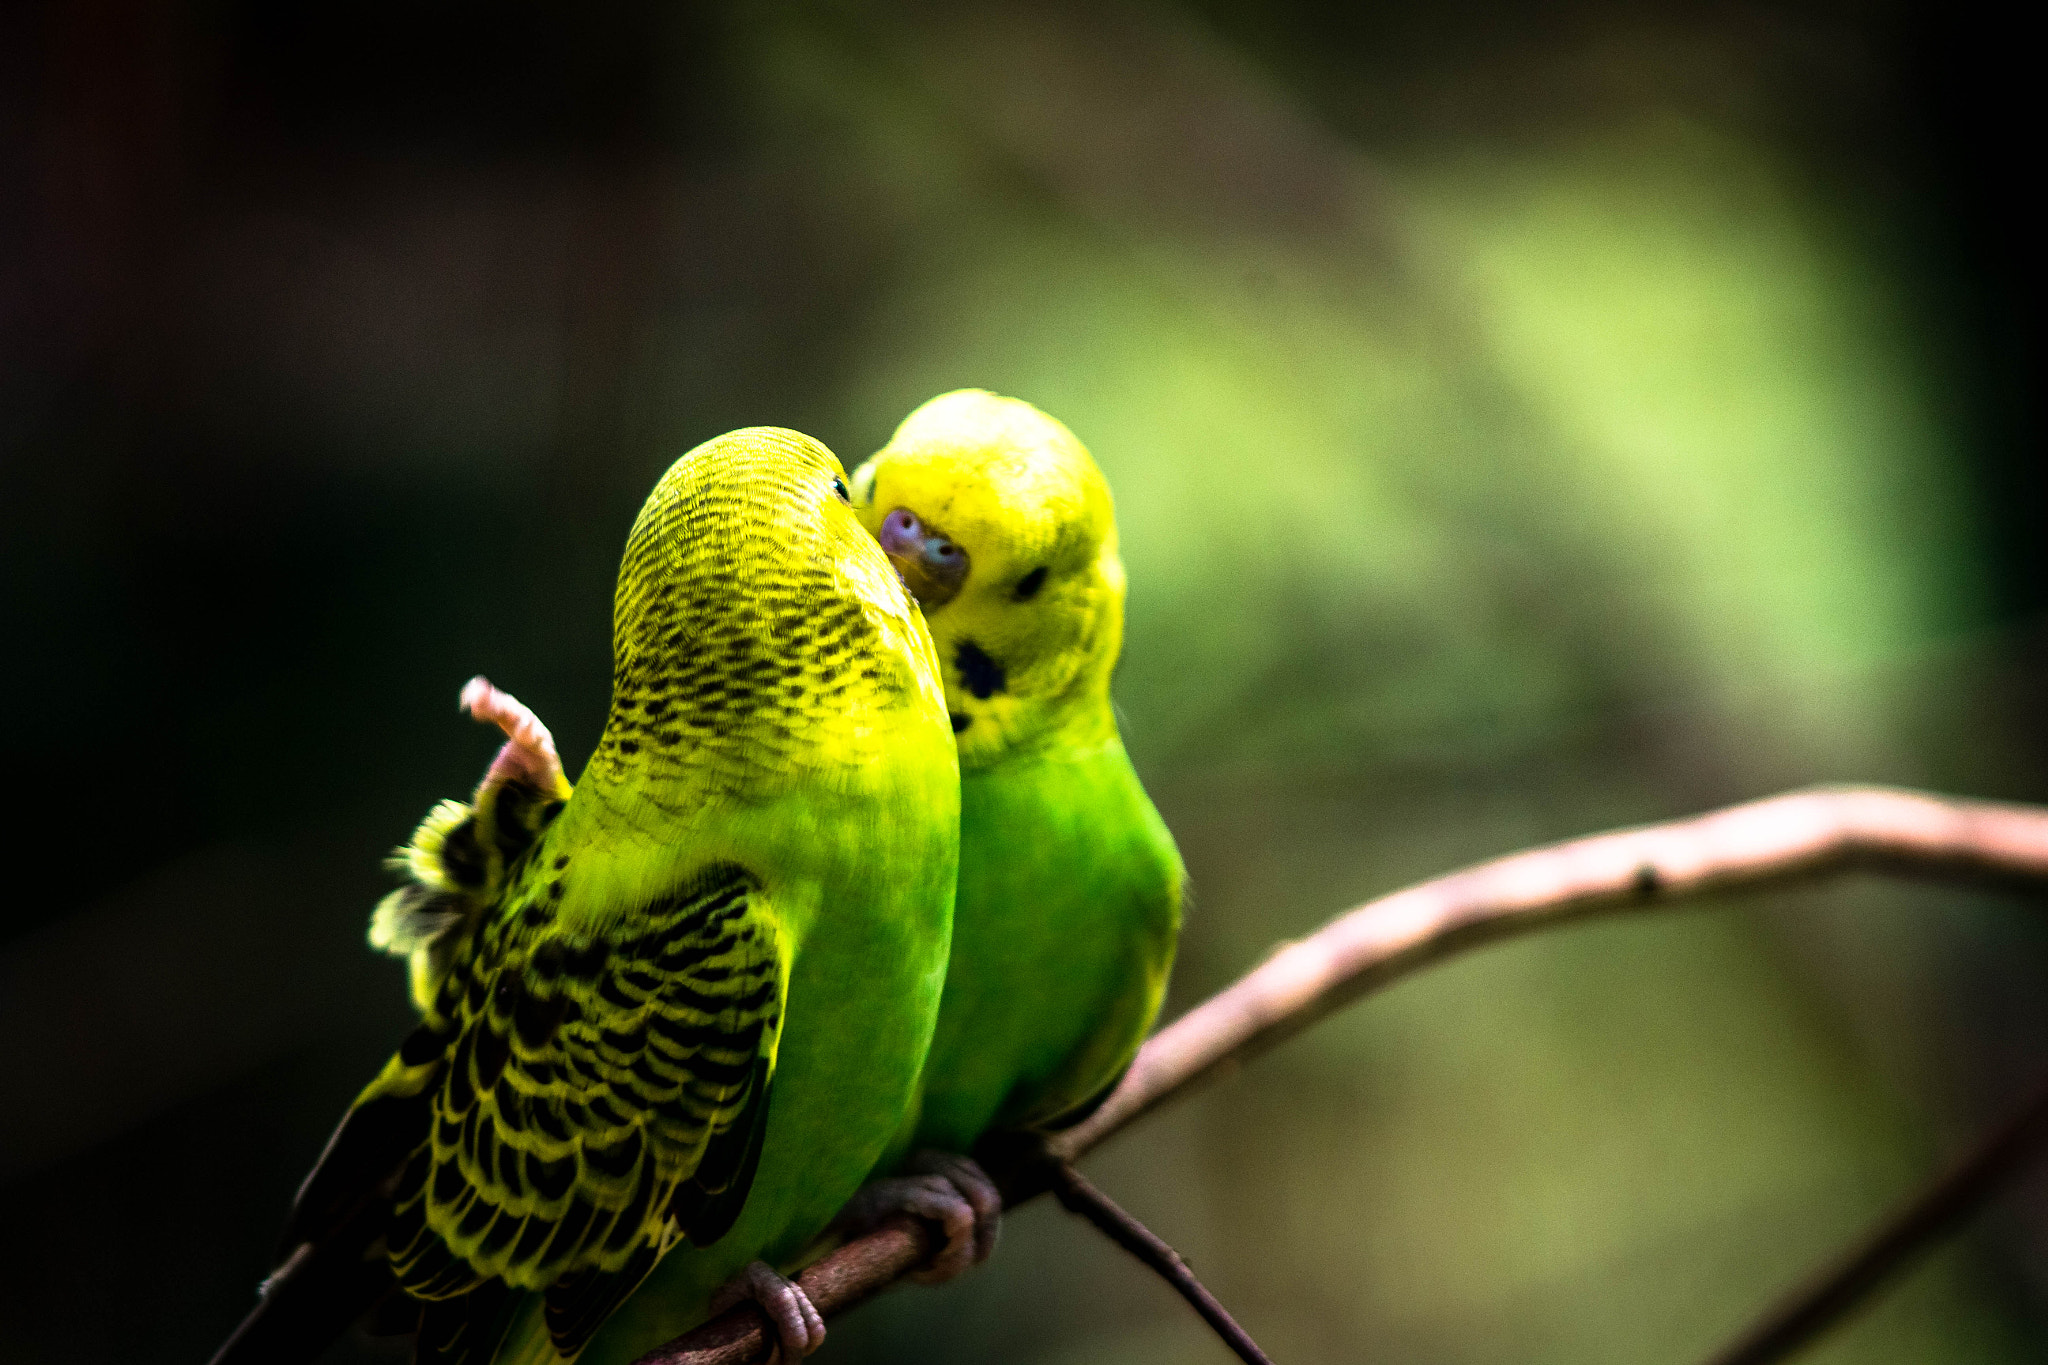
1517,428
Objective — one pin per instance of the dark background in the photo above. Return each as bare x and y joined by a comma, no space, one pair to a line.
1524,420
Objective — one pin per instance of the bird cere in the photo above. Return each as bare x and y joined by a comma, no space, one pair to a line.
859,882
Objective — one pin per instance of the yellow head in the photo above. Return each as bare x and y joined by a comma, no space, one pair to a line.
1004,530
757,632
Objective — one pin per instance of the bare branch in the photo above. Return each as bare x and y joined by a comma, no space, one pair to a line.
1743,848
1940,1207
1077,1195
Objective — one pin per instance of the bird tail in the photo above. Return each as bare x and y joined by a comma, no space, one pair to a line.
527,1341
334,1263
466,1328
311,1300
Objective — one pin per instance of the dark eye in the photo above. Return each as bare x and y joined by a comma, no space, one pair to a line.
1029,584
839,487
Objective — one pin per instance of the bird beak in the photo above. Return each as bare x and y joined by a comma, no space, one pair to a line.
930,564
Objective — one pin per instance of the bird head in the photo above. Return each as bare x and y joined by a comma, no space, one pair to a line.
757,626
1004,531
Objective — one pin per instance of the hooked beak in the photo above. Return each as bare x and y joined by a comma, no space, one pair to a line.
931,565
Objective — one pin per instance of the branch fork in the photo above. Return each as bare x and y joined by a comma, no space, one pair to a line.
1760,844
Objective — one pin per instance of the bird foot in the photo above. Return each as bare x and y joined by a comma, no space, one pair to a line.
943,1188
798,1326
529,754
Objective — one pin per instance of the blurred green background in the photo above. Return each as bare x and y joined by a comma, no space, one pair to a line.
1521,424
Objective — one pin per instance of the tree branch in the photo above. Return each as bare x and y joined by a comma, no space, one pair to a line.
1935,1210
1748,847
848,1277
1742,848
1077,1195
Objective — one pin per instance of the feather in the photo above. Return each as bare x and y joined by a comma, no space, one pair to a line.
1070,885
604,973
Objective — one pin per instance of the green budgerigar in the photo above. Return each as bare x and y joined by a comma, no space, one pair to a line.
681,1010
1070,885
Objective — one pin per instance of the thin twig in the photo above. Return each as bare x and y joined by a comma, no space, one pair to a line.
1748,847
1077,1195
1939,1208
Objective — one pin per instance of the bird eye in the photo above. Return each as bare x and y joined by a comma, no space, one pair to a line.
1029,584
839,487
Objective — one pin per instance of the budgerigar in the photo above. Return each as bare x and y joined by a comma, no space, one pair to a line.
683,1009
1070,884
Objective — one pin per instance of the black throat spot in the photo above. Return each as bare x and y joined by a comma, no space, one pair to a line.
983,675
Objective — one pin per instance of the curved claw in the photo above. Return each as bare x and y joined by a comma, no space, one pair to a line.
965,1175
799,1327
529,754
944,1188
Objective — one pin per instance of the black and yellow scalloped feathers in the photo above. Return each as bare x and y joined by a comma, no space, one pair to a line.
588,1103
460,859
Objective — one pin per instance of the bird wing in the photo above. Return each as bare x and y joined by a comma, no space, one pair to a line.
591,1101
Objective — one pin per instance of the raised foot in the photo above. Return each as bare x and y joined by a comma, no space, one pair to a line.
529,753
943,1188
799,1327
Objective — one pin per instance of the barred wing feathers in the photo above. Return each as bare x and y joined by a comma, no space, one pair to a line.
588,1104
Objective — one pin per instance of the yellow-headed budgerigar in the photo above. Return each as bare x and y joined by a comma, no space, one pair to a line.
1070,884
683,1009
